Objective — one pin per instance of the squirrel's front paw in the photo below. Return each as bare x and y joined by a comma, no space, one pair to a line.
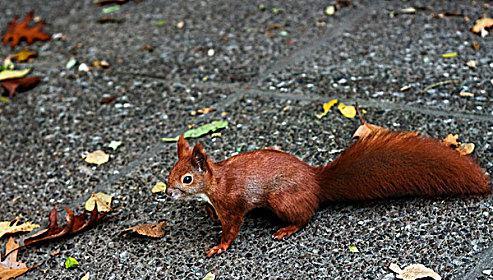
216,250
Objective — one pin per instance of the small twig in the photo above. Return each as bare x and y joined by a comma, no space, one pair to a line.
439,84
358,113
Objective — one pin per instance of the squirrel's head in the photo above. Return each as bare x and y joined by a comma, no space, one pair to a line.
188,176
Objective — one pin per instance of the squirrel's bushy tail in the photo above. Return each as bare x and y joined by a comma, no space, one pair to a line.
395,164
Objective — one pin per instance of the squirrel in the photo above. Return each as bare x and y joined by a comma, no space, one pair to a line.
382,164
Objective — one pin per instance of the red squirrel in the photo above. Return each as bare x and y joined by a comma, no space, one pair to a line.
383,164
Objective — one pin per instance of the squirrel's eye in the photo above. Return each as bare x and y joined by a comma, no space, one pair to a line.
187,179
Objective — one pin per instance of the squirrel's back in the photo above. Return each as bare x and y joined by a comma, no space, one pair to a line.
395,164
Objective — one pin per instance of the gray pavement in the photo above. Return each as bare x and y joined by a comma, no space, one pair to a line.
271,87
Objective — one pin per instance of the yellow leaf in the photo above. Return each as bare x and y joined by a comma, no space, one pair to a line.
97,157
159,187
12,74
101,199
482,23
326,107
24,55
347,111
7,228
450,55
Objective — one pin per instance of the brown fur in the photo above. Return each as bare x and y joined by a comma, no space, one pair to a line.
386,164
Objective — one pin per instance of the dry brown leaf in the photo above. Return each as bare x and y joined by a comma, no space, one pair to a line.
482,23
13,86
10,268
100,64
97,157
102,200
414,272
367,129
9,227
465,148
18,31
154,230
451,140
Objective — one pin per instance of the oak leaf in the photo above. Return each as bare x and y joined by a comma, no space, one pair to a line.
74,224
13,86
18,31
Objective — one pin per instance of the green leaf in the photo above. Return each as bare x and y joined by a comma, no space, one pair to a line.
450,55
353,248
4,99
12,74
71,263
160,22
111,9
200,131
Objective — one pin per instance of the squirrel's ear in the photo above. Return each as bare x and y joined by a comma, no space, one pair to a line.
199,158
183,147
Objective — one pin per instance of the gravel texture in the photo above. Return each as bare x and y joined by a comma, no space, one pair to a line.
270,84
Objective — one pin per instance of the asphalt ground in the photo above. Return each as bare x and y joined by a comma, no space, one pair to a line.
271,84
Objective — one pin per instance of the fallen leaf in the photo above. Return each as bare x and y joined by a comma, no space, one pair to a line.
465,149
108,2
180,24
209,276
85,277
14,86
4,99
200,131
24,55
154,230
14,227
159,187
75,224
100,64
472,64
71,63
347,111
367,129
202,111
353,248
13,74
475,45
102,200
115,144
84,68
160,23
18,31
482,24
450,55
326,107
97,157
451,140
108,100
111,9
71,262
10,268
330,10
414,272
466,94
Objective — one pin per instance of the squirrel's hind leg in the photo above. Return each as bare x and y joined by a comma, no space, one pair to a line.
295,209
285,232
